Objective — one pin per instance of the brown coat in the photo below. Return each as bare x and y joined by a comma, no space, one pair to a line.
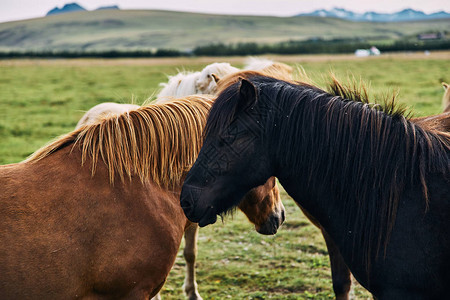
96,214
119,240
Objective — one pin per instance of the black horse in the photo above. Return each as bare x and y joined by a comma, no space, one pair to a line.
377,183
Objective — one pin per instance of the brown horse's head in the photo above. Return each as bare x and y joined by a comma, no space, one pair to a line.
263,207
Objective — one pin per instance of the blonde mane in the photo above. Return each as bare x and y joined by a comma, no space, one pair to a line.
158,142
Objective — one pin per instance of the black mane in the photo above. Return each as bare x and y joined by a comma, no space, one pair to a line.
367,153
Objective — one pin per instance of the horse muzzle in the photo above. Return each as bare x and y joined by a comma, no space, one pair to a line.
191,210
208,218
270,227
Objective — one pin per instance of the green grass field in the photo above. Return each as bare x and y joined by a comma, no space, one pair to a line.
41,99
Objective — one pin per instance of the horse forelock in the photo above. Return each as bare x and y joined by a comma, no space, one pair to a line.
158,142
366,153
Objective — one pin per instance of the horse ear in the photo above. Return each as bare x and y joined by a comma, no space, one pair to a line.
247,94
215,77
445,85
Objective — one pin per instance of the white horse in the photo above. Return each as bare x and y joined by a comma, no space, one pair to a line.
182,84
207,80
190,83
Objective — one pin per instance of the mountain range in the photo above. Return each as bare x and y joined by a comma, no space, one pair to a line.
404,15
340,13
74,7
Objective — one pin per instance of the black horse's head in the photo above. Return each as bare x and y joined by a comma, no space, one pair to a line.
234,157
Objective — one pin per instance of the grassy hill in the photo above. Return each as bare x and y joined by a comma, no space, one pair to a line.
149,29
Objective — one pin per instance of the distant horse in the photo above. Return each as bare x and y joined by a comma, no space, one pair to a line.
190,83
96,213
207,80
376,182
446,97
440,122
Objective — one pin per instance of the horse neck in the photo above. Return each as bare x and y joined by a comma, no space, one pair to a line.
334,139
346,164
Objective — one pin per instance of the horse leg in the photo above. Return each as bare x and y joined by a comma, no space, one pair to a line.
340,273
190,254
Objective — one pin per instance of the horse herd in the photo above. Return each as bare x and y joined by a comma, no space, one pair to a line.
96,213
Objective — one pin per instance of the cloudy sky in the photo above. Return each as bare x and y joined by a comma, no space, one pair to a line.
24,9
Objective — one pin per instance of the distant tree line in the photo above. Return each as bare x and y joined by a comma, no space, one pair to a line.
313,46
92,54
316,46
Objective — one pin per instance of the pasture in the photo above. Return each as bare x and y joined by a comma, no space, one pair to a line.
41,99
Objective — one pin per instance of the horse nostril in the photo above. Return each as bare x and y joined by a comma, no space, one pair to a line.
187,207
283,217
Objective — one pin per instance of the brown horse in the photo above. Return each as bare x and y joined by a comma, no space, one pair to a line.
96,214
